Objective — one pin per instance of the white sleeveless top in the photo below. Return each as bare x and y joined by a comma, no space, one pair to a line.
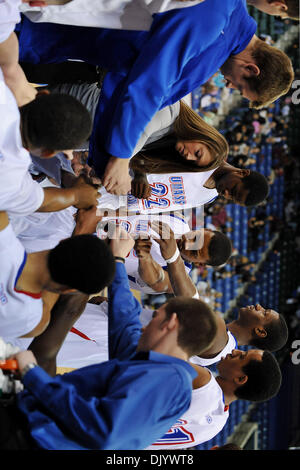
169,192
231,344
204,419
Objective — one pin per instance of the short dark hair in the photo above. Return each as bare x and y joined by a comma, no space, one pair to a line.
219,249
198,325
82,262
56,122
277,335
264,379
258,187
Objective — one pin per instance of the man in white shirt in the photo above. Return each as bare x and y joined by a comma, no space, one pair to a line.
118,14
173,192
165,249
14,76
31,284
253,375
32,128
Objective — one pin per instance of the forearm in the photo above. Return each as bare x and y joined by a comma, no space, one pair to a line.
153,275
56,199
180,281
64,314
13,73
9,55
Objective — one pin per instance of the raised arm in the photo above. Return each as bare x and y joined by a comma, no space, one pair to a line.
81,195
124,327
180,281
13,74
151,273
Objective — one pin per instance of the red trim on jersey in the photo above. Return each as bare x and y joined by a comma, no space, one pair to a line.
226,407
79,333
31,294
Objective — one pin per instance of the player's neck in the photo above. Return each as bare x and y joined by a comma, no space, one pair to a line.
34,275
227,389
240,334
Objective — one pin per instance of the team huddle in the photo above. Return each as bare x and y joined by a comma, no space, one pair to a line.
97,181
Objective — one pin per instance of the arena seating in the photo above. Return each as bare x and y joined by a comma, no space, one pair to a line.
274,267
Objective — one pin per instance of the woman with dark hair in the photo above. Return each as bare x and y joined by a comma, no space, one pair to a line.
176,140
189,145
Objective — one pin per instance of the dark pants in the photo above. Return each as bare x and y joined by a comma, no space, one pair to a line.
14,432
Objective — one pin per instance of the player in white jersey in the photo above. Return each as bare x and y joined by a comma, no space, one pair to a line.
125,14
32,127
118,14
212,396
171,192
30,284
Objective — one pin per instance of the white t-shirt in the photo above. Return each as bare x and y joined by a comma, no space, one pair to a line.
169,192
138,224
19,194
85,344
231,344
116,14
204,419
9,16
44,230
20,313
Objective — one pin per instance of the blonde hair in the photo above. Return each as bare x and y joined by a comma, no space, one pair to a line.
275,77
189,126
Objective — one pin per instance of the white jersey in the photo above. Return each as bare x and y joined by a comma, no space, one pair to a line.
85,344
20,312
19,194
44,230
116,14
140,224
205,418
169,192
87,341
231,344
9,16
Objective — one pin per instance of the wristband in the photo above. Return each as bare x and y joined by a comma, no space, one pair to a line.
119,258
25,369
174,257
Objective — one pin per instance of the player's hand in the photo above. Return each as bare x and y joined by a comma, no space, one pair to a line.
86,195
121,242
166,239
116,178
140,188
142,247
23,358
